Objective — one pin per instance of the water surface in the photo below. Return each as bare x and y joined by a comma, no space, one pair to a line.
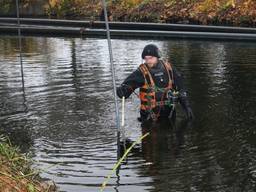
64,115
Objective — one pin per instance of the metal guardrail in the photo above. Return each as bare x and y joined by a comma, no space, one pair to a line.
55,27
74,32
130,25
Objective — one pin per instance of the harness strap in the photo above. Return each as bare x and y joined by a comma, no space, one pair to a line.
151,85
147,75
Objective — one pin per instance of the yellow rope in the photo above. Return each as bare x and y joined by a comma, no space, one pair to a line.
103,186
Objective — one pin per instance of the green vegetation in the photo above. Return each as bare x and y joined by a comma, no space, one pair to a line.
15,172
209,12
5,6
103,186
217,12
73,8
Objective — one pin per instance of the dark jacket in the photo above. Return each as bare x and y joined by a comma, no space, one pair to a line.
160,76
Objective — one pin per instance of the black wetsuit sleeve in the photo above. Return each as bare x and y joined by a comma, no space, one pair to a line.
178,80
132,82
179,86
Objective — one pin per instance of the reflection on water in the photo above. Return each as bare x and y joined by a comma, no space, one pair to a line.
65,115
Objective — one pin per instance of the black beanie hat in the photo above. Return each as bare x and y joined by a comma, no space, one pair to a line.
150,50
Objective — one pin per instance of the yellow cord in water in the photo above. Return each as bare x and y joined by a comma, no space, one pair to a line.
120,160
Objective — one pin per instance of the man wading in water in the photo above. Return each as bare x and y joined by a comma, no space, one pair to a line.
160,87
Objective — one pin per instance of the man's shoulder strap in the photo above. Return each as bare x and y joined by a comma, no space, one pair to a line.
168,65
144,70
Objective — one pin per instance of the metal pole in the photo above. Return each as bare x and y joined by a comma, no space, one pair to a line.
122,125
113,78
19,36
20,56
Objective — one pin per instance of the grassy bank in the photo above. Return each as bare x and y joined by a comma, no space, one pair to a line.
207,12
16,174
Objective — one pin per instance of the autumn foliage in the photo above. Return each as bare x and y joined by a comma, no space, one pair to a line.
218,12
225,12
211,12
73,8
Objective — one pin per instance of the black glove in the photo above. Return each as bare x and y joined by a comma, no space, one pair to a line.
124,91
120,92
186,106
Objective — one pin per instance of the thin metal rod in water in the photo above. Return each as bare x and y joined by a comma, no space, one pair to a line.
122,124
123,101
113,78
20,49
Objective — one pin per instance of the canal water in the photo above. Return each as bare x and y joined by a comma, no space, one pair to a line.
64,118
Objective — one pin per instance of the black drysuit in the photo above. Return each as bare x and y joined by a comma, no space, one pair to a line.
160,77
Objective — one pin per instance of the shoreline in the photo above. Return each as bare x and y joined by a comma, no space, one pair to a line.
234,13
16,173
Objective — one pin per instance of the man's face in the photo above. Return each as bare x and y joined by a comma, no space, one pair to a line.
151,61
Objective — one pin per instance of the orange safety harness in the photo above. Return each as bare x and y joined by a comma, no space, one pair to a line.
148,91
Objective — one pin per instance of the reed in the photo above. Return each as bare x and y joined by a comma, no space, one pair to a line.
16,173
104,184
